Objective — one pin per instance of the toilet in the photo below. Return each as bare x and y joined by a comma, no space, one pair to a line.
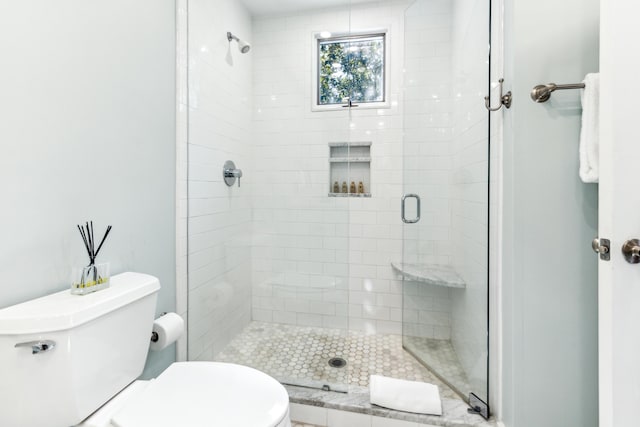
71,360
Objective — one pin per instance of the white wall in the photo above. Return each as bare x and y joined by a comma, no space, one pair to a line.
549,269
87,132
219,217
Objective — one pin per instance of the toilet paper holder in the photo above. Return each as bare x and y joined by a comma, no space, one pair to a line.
154,334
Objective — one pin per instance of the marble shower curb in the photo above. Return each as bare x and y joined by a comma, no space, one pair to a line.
357,400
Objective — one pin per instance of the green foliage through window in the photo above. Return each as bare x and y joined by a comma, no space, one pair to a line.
351,68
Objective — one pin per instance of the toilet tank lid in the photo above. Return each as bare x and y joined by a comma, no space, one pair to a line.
61,311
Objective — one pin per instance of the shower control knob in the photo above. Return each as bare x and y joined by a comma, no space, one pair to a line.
230,173
631,251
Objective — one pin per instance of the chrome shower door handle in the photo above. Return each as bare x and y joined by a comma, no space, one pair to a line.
38,346
402,209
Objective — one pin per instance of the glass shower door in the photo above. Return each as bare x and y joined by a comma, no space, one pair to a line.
445,183
268,259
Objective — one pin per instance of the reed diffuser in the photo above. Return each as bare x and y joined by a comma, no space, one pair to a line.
93,277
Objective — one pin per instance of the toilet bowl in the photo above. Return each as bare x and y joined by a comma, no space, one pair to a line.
198,394
74,360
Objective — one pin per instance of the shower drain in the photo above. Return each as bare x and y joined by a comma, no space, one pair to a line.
337,362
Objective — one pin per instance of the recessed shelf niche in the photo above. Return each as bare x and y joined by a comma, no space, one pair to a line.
350,162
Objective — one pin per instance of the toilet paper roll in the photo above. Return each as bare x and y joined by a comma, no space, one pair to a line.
169,328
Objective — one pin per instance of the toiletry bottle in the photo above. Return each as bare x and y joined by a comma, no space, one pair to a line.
360,187
336,187
344,186
352,187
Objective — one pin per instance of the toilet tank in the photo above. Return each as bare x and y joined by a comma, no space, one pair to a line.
101,344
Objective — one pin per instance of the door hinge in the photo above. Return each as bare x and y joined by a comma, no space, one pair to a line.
602,247
478,406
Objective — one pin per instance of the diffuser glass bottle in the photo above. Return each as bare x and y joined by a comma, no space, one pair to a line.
93,277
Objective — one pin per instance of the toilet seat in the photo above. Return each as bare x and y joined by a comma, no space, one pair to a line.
199,394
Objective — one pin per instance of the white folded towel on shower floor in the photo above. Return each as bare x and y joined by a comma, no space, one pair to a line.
403,395
589,133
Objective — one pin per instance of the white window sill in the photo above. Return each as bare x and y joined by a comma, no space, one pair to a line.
343,107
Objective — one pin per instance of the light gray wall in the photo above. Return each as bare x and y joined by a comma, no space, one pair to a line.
550,272
87,131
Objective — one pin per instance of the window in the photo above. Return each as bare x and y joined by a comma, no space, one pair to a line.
351,68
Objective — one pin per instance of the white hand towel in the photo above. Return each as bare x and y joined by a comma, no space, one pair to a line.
402,395
589,134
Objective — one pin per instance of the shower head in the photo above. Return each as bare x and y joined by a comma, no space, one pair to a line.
243,46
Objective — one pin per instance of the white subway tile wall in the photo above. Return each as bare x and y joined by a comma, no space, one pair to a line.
319,260
429,161
219,217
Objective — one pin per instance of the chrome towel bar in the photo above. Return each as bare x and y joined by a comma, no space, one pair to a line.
542,93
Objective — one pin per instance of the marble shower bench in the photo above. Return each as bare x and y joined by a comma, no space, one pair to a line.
432,274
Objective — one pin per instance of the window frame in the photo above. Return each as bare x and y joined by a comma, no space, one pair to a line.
315,81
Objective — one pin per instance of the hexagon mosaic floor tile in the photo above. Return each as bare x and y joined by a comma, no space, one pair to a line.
300,355
440,356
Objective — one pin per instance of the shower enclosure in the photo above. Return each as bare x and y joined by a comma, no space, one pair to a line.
340,118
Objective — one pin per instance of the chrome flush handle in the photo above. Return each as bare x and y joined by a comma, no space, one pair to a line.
38,347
